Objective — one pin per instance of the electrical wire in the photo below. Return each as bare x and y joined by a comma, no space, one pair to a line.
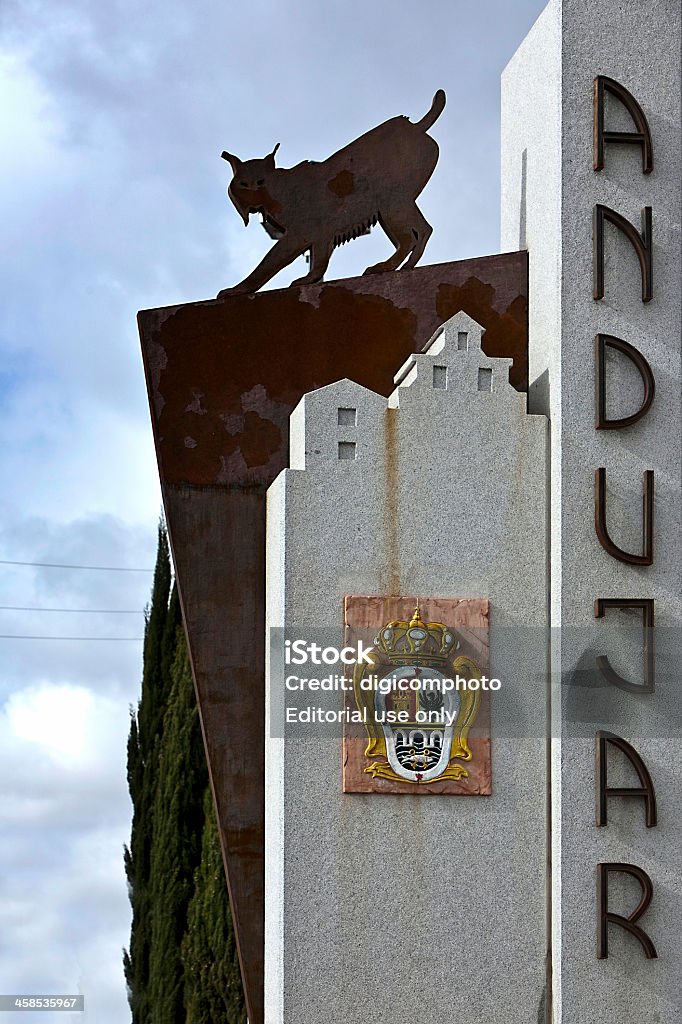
80,639
79,611
100,611
58,565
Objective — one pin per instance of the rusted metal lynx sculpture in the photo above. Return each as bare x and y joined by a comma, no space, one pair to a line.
317,206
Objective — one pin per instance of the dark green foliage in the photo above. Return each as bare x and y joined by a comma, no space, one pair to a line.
145,733
175,874
213,990
178,817
159,634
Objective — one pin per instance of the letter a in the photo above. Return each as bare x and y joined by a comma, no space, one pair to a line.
645,791
642,137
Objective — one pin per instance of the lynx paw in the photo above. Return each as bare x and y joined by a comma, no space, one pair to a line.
308,279
237,289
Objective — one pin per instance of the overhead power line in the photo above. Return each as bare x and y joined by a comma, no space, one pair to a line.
58,565
80,639
79,611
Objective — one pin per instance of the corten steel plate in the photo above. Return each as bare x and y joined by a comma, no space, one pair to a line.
223,377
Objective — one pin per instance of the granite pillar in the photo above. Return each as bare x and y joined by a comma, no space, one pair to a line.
553,195
399,903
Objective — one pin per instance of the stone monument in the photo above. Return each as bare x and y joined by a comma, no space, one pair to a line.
433,499
462,484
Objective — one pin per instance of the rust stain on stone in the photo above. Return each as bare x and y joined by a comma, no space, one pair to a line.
391,573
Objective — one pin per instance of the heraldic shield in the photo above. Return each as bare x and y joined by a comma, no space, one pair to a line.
419,695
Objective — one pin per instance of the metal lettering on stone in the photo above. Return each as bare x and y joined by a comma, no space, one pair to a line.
314,207
421,731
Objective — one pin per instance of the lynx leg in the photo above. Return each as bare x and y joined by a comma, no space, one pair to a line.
319,261
395,227
409,231
281,255
422,231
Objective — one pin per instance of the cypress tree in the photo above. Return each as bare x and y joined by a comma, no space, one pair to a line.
213,988
145,728
178,825
181,967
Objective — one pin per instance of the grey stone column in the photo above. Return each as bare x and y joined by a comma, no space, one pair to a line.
549,193
383,907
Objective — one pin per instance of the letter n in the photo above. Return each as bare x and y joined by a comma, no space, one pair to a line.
645,792
641,243
605,917
647,555
641,137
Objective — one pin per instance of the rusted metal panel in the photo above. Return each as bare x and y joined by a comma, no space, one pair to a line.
223,377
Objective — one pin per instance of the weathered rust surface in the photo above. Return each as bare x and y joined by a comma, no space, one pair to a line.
317,206
223,377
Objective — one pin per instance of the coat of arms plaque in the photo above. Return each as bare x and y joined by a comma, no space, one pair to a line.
422,696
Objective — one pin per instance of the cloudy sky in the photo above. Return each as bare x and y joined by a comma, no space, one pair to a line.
112,199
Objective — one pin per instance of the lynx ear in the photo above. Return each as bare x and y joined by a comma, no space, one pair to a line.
270,158
234,161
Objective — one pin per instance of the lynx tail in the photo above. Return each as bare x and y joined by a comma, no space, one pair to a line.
434,113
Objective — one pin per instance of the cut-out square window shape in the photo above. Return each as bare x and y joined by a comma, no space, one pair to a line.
440,377
485,379
347,451
347,417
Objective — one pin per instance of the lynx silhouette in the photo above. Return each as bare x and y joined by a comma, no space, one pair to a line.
317,206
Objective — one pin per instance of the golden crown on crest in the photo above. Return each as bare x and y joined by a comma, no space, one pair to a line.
430,642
